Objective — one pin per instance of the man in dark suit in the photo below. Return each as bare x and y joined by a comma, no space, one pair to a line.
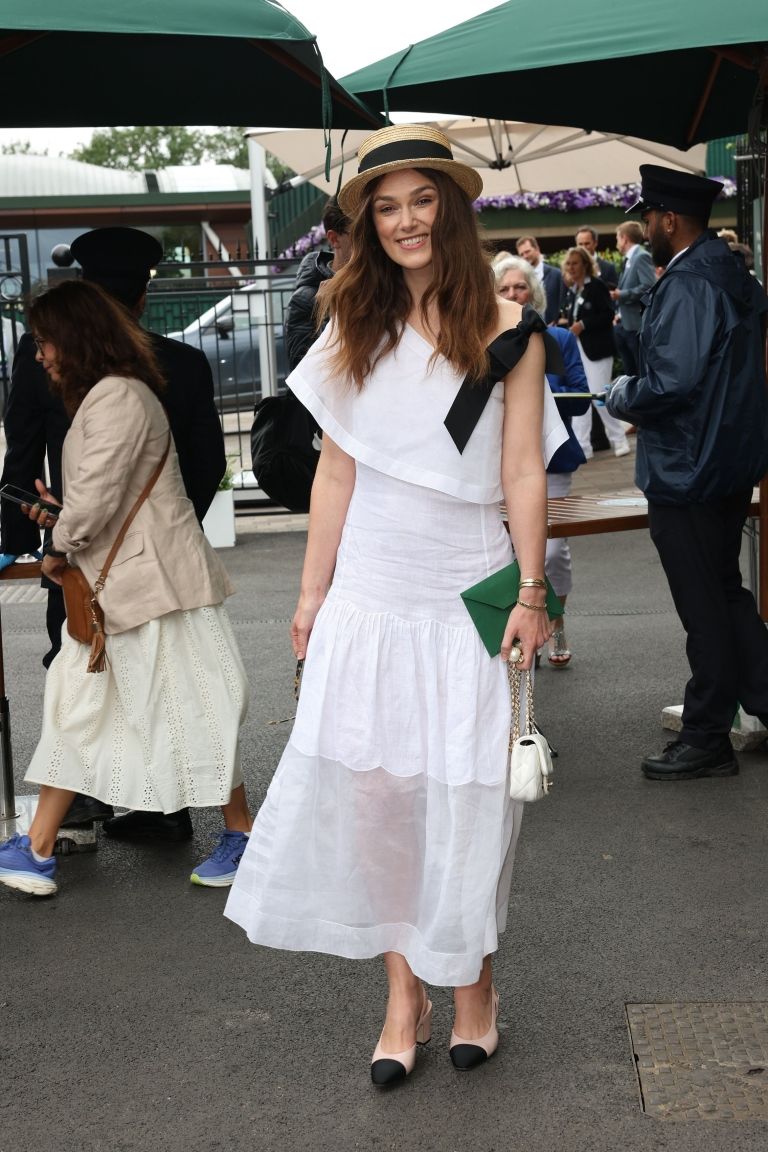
588,238
637,275
701,408
549,276
120,261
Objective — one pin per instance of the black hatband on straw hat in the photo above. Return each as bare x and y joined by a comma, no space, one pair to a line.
406,146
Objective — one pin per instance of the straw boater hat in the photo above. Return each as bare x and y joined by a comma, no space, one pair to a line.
406,146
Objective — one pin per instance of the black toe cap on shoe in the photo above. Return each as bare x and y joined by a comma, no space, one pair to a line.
468,1056
387,1073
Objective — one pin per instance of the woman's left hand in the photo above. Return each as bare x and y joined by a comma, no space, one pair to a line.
53,566
577,328
528,630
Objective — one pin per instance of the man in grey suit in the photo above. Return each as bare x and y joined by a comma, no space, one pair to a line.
635,278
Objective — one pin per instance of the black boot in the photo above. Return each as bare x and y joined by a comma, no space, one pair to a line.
174,826
681,761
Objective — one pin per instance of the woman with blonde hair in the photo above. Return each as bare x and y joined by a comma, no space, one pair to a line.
516,280
588,315
388,828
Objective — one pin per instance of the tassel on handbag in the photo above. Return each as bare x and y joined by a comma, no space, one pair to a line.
85,618
97,661
530,757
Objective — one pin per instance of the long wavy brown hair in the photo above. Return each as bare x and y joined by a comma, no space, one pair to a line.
94,336
369,301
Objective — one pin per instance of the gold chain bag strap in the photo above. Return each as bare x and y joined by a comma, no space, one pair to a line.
85,616
530,758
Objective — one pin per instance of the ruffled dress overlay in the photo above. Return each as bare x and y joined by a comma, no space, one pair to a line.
388,825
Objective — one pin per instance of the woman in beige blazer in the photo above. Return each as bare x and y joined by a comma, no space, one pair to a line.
159,728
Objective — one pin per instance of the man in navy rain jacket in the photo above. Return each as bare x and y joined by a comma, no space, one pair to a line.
700,405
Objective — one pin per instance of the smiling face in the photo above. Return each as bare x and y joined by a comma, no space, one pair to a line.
48,356
404,208
574,269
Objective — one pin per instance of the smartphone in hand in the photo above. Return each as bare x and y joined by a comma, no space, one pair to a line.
27,499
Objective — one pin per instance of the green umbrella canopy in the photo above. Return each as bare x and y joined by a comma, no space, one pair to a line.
70,63
678,73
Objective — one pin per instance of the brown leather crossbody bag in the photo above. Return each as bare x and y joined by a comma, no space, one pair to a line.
85,616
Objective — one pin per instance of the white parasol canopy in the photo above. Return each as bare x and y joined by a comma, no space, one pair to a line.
511,156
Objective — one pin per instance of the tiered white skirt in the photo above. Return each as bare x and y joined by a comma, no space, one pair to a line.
158,730
388,826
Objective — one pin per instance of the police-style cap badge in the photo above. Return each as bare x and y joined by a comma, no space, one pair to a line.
118,259
671,191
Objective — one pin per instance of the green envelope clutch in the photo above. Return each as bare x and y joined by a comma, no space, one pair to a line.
490,602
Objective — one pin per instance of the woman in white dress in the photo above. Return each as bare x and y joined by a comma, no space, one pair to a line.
388,827
158,728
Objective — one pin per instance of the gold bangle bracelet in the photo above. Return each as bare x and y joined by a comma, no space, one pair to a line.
533,607
533,582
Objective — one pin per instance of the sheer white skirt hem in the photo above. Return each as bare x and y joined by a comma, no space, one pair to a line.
356,863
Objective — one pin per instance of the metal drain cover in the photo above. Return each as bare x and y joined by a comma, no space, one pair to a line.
701,1061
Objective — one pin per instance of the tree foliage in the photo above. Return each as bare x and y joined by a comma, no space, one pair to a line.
20,148
136,149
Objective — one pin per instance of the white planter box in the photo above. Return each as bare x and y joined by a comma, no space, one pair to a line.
219,522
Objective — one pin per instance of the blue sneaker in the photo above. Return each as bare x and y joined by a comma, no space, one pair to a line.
218,871
20,870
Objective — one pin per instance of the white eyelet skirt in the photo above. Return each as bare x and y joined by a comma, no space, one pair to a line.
158,730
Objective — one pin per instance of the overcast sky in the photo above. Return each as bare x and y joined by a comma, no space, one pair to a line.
346,42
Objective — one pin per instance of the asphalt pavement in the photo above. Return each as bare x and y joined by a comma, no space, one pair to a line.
134,1017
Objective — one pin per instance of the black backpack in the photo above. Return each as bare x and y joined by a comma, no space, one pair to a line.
283,452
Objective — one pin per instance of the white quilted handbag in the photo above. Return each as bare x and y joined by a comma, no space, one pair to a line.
530,758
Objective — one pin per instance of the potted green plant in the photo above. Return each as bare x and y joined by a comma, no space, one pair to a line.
219,522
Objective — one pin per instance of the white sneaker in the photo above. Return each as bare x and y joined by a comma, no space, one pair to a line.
624,450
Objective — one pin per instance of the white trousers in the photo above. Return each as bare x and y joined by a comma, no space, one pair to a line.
598,373
557,559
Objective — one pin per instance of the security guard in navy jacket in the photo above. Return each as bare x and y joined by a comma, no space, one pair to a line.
120,261
701,408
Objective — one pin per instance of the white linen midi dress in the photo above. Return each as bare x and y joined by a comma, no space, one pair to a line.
388,825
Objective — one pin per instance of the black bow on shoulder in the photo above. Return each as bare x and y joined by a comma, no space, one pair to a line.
504,353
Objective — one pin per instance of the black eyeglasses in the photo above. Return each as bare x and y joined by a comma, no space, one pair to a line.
39,344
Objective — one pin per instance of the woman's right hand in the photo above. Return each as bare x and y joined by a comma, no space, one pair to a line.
302,624
53,566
